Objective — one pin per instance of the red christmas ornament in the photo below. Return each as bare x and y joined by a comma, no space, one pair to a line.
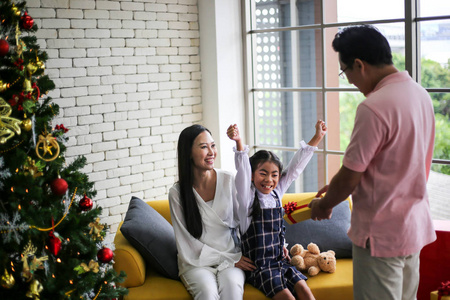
86,203
54,244
27,21
4,47
59,186
105,255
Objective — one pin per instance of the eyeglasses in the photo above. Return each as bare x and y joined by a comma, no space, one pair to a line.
342,74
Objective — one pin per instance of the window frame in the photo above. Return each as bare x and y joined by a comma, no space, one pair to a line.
411,23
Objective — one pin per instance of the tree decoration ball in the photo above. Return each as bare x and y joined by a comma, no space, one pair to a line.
59,186
105,255
86,203
27,21
4,47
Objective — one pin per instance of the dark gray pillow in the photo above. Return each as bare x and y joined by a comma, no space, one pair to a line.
327,234
152,236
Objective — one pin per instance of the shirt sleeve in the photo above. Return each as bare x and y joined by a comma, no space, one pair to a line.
366,140
190,250
296,166
244,187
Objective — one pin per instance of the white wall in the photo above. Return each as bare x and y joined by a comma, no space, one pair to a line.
128,78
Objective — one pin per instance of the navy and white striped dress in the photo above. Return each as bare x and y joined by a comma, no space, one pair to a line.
263,243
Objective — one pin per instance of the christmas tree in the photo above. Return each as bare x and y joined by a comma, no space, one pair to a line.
52,242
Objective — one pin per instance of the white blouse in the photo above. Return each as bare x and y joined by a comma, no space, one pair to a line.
215,248
246,189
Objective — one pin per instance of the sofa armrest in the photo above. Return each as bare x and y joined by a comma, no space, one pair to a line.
129,260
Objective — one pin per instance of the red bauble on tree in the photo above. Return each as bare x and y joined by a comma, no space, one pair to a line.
27,21
4,47
59,186
105,255
54,244
86,203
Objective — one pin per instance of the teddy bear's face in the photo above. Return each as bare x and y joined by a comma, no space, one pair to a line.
327,262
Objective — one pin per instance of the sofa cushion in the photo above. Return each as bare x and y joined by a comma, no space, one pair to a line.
152,236
327,234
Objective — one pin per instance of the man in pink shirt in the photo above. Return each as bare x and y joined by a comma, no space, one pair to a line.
385,168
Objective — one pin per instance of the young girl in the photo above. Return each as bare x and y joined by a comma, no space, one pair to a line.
260,186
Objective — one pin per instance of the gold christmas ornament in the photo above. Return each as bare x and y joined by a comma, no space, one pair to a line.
3,86
83,268
45,145
34,290
39,64
15,10
27,125
27,85
18,33
8,126
26,272
7,280
31,69
96,229
30,168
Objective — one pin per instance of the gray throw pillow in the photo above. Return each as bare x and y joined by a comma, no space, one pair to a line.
327,234
152,236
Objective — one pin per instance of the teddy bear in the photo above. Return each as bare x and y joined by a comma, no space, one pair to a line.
312,260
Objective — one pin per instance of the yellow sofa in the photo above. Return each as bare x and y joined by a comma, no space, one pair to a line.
144,283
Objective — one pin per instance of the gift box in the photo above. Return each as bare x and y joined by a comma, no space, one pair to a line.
443,292
435,296
435,261
298,211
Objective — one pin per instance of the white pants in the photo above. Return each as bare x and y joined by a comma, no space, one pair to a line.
210,284
387,278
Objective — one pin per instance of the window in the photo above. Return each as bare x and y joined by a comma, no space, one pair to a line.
292,75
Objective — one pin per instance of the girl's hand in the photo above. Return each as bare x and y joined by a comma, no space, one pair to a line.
286,254
321,129
245,264
233,133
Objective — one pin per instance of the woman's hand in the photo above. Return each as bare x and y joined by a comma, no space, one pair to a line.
245,264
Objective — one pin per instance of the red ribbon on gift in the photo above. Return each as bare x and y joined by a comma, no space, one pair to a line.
444,289
290,207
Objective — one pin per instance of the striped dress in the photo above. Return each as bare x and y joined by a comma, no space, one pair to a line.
263,244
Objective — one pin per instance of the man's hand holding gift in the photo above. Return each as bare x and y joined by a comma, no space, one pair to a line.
318,212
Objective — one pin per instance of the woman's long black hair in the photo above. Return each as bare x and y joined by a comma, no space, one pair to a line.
256,160
191,210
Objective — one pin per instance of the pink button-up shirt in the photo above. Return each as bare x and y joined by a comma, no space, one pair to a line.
392,143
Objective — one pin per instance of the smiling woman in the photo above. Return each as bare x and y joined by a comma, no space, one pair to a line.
203,153
203,212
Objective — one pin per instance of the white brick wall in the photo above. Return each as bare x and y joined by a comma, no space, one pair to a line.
127,76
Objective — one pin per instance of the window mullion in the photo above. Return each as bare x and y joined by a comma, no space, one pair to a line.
412,39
